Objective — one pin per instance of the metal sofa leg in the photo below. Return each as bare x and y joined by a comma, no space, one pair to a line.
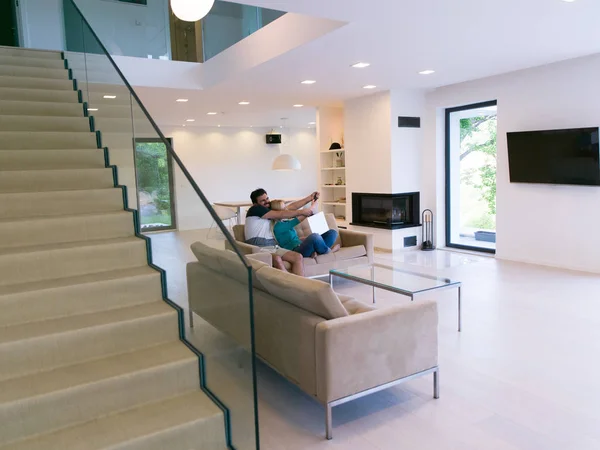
436,383
328,422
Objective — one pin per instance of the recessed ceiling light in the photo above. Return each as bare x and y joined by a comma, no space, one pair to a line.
211,113
369,86
569,1
427,72
110,96
309,82
298,106
181,100
244,103
219,126
92,109
312,123
190,120
361,65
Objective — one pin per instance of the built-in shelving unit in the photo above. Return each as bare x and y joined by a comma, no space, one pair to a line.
333,196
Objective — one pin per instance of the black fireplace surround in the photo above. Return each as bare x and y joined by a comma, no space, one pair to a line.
387,211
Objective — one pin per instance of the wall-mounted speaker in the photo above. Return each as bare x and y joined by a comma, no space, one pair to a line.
273,139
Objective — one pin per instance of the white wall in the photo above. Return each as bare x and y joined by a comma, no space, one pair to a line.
42,24
367,136
406,143
128,29
541,224
229,163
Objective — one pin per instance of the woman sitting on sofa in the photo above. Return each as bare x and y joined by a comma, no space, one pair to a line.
312,245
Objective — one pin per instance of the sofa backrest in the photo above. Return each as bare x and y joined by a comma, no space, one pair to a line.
238,233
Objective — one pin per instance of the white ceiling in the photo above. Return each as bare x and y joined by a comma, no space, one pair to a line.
460,39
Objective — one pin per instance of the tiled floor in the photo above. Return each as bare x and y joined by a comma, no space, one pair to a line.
522,374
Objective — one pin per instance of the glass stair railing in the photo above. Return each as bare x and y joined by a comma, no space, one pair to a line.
131,141
151,30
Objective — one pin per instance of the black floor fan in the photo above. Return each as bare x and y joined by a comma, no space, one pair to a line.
427,231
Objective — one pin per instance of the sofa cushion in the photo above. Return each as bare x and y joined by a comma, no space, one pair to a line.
310,295
354,306
345,253
342,254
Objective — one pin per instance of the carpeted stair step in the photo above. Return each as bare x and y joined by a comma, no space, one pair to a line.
185,422
63,229
39,95
17,140
46,262
34,347
44,123
41,204
29,53
34,72
39,84
93,389
62,297
50,159
55,180
23,108
28,61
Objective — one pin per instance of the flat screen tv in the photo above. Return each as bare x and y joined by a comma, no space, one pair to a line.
569,156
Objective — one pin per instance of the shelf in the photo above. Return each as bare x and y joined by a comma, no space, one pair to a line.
333,168
334,204
333,151
334,185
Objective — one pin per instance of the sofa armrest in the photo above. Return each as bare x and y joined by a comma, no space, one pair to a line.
351,238
366,350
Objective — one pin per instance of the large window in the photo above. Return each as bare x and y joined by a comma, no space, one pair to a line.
471,177
156,197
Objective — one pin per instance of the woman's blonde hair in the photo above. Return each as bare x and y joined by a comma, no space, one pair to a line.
277,205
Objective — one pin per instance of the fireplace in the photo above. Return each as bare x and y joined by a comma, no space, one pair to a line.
388,211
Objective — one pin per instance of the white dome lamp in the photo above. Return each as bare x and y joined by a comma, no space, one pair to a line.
286,162
191,10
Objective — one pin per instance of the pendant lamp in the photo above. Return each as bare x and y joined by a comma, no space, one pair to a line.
191,10
286,162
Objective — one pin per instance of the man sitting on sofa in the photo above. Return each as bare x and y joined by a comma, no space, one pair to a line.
258,229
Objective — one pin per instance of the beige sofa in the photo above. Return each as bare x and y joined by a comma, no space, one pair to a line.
331,346
356,249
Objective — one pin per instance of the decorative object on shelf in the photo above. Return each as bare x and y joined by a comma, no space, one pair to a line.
342,200
191,10
427,230
335,146
339,181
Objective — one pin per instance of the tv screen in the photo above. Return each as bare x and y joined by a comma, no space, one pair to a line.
555,156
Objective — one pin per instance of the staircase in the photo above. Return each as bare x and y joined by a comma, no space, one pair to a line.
90,355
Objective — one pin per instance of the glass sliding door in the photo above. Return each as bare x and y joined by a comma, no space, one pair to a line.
471,177
156,197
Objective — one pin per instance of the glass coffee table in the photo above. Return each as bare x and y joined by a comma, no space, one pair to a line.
396,280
